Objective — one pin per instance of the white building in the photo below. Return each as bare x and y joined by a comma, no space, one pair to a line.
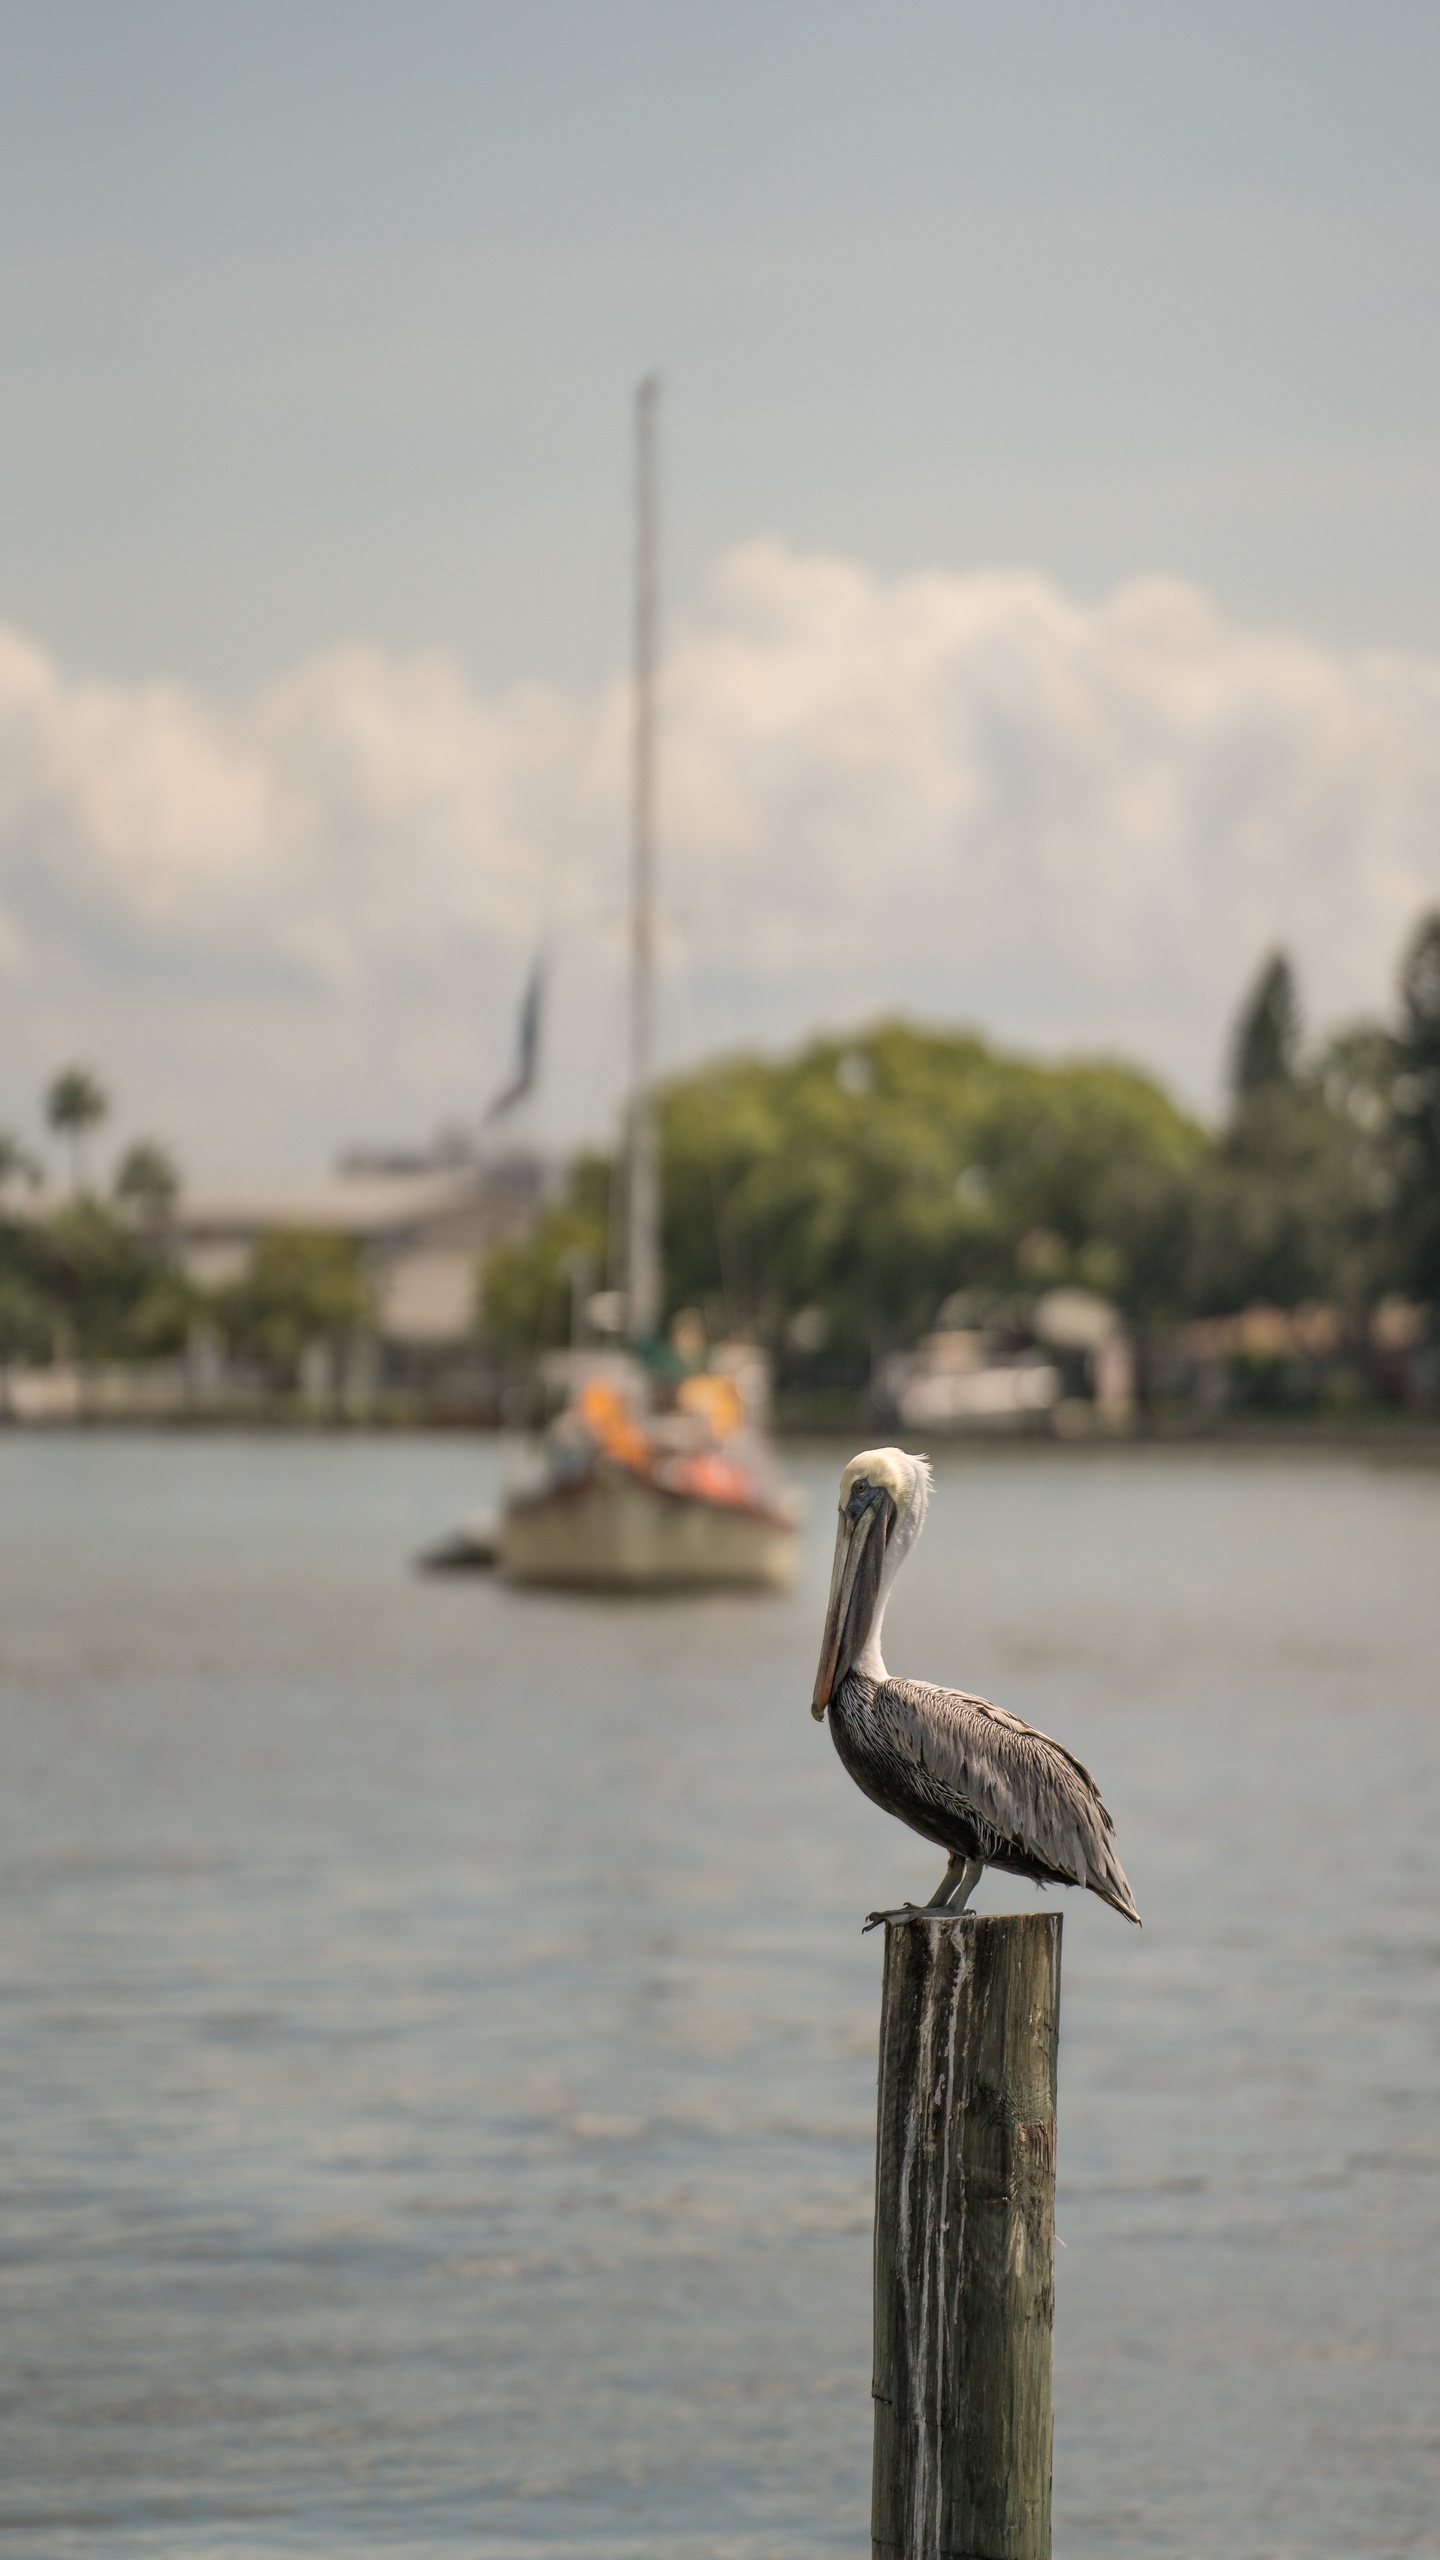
423,1233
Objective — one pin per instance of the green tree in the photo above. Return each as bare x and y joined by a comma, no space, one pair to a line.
90,1271
161,1319
866,1181
1267,1035
1148,1208
84,1283
1287,1211
1416,1105
526,1281
303,1285
1292,1205
876,1196
148,1182
75,1103
26,1325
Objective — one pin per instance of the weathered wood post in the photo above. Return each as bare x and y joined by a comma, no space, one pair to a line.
965,2238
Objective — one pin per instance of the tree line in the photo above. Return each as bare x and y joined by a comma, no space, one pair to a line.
98,1277
839,1203
842,1201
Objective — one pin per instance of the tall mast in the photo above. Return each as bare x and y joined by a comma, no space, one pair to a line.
642,1264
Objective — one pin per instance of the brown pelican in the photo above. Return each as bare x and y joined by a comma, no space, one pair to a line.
989,1790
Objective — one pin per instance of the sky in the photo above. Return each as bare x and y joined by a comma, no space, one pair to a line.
1052,519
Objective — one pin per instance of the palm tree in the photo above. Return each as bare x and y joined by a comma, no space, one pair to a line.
75,1103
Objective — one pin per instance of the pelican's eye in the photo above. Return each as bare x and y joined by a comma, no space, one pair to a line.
862,1494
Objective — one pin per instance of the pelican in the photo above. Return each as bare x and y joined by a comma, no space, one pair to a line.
987,1789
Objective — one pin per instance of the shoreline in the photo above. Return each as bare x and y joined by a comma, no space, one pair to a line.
1402,1441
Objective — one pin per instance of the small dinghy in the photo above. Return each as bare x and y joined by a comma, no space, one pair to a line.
472,1548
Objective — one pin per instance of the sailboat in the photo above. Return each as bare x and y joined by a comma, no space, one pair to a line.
637,1488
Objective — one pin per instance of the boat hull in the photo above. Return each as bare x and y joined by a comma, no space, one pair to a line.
613,1531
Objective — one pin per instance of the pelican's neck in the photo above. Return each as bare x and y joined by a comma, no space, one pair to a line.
870,1660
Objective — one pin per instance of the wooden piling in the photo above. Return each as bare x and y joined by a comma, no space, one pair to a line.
965,2238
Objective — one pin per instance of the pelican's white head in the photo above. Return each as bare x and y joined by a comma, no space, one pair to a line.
884,1496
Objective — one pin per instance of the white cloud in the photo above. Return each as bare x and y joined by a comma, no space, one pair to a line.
280,925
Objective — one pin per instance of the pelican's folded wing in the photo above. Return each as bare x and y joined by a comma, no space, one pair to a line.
1029,1791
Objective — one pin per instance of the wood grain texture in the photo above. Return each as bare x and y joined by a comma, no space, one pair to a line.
965,2238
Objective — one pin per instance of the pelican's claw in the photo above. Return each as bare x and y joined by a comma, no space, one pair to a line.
907,1911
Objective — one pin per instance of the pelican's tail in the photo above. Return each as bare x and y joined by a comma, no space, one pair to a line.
1113,1887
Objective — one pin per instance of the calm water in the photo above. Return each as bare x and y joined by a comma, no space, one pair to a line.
439,2045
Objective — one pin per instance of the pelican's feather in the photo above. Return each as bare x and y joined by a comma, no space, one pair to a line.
1029,1793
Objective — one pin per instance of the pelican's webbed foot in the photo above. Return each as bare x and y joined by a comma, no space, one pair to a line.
950,1897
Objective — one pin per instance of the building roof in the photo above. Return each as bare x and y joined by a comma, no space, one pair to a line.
343,1204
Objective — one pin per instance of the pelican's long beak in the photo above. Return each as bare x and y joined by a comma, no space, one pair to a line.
860,1543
